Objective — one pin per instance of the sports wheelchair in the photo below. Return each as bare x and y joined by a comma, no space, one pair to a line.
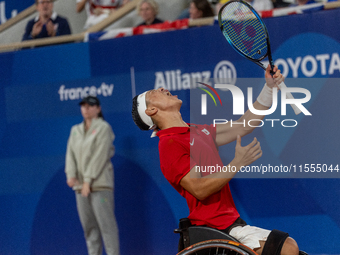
202,240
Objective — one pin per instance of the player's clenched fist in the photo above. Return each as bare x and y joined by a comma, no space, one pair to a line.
273,80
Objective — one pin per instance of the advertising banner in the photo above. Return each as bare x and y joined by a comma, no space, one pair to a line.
293,187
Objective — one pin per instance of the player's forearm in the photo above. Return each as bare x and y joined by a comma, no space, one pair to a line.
256,112
252,120
217,177
203,187
226,133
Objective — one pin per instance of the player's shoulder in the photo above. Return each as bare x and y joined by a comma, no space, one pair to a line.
169,139
173,142
205,128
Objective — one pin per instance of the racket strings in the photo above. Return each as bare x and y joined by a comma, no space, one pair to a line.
252,46
244,30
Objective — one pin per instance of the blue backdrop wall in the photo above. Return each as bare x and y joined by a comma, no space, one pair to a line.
39,95
10,7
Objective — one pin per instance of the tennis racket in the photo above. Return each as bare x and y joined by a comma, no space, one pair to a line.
245,31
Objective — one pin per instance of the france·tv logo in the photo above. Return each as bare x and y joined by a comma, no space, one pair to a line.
238,99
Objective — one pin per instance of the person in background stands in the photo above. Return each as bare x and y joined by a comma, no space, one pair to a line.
185,12
200,9
197,9
47,24
304,2
258,5
98,10
280,3
89,172
261,5
148,10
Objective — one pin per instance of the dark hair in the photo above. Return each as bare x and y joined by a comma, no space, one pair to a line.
100,115
135,115
205,7
92,100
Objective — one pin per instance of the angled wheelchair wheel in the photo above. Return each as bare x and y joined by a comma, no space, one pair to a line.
217,247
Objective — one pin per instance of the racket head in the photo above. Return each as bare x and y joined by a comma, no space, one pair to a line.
245,31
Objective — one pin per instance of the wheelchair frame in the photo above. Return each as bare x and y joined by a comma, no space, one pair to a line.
206,240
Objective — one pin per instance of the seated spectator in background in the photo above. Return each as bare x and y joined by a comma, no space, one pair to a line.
280,3
148,10
258,5
261,5
303,2
185,13
98,10
200,9
47,24
219,5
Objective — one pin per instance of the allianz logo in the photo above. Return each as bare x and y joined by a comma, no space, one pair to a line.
224,72
79,93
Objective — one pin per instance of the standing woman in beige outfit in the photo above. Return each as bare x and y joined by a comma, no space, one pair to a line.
89,172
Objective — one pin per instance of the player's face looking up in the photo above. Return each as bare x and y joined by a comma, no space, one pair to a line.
162,99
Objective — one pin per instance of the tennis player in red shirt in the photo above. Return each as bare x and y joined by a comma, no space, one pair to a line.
184,148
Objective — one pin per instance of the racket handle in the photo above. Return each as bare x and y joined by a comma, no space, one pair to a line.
289,96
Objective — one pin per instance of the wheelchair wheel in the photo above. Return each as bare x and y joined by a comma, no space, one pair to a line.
217,247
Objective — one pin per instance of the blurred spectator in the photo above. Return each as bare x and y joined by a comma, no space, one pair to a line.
261,5
200,9
148,10
280,3
47,24
185,13
303,2
98,10
258,5
197,9
219,5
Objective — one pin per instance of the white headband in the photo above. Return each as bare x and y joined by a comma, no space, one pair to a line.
141,107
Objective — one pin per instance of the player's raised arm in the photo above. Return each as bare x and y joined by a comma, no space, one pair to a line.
226,133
